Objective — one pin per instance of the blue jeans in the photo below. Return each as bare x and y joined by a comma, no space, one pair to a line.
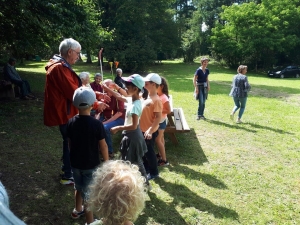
202,99
117,122
66,152
239,103
82,179
24,87
150,160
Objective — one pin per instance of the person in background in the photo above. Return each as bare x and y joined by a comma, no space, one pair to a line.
112,116
239,92
117,193
6,216
202,86
149,122
85,79
86,137
96,86
11,74
61,82
118,80
163,93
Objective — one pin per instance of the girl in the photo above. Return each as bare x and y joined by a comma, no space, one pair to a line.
163,93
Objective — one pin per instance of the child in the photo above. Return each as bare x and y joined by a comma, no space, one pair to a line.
133,146
163,94
117,193
150,118
86,137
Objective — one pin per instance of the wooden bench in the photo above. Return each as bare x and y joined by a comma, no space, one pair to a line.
7,89
176,122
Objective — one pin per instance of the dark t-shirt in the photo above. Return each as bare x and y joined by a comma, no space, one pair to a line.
202,77
84,133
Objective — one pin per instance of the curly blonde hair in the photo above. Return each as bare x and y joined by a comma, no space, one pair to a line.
241,68
117,193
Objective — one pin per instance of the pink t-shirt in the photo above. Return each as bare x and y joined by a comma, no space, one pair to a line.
163,99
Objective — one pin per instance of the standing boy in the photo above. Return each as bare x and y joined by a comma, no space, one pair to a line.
149,122
86,137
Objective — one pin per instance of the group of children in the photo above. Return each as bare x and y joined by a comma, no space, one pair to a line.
145,121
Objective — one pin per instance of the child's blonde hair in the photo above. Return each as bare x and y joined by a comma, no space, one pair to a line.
117,193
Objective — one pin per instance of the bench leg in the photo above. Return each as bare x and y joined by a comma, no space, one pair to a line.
173,138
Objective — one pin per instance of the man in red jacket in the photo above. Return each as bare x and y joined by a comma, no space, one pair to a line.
61,82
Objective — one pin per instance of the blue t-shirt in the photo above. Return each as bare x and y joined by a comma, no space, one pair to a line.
201,76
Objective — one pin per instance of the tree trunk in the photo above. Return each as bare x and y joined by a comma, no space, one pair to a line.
88,57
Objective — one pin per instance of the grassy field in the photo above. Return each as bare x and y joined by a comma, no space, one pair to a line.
220,173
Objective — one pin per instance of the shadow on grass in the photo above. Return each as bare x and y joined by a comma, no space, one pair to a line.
184,197
268,128
191,174
235,126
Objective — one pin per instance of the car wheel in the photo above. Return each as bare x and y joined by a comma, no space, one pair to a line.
281,76
297,75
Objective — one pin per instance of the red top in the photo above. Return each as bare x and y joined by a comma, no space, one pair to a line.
114,107
96,87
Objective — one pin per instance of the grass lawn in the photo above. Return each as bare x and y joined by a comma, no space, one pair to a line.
220,173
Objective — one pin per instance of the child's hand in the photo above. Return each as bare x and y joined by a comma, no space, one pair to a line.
113,130
147,134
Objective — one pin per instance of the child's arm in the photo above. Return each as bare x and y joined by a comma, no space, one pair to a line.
166,108
133,126
103,149
154,127
118,96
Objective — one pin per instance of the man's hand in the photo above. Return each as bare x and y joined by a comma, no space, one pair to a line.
102,106
102,96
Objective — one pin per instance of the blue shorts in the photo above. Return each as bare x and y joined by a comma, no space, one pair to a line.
162,125
82,179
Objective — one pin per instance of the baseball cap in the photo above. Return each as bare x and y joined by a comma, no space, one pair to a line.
154,77
137,80
84,97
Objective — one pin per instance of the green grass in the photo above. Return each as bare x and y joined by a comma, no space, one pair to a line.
220,173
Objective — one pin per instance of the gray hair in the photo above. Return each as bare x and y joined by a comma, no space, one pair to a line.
67,44
119,70
98,75
84,75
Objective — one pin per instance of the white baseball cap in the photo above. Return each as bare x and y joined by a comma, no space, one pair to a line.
154,77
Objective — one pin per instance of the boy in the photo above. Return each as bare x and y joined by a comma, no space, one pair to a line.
149,122
86,137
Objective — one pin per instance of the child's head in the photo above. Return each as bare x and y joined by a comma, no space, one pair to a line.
152,81
134,83
117,193
163,87
84,98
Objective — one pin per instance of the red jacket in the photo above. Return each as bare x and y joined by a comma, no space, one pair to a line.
61,82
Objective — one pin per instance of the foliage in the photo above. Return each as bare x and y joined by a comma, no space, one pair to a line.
256,33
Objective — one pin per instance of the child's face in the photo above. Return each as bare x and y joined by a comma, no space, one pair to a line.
149,85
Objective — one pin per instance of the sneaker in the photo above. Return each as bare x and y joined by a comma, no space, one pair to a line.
198,117
75,214
231,117
67,181
151,177
162,162
239,121
202,117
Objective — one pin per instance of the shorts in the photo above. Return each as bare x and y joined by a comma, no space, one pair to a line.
163,125
82,179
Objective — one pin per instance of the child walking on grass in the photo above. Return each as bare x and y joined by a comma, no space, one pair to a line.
86,137
163,93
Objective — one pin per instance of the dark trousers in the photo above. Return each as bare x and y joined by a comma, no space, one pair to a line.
150,160
66,152
24,86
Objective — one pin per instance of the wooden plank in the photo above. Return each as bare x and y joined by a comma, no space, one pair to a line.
185,126
177,119
171,103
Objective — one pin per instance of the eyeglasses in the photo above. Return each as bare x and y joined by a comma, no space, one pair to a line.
78,53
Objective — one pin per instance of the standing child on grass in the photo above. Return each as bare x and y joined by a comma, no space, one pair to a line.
133,146
150,118
86,137
163,93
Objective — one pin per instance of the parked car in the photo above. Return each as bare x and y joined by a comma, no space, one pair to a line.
282,72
